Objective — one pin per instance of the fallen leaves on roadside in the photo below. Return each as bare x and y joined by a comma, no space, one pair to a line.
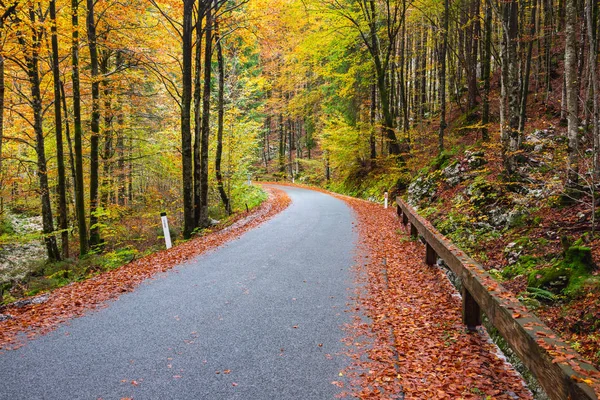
412,344
76,299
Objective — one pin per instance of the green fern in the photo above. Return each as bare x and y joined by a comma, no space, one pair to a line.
541,294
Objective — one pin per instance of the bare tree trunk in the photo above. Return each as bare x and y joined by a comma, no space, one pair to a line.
593,56
486,72
32,52
221,107
107,154
372,143
281,158
2,89
186,134
572,91
526,73
69,141
511,137
77,133
203,221
198,114
60,160
548,34
442,76
94,125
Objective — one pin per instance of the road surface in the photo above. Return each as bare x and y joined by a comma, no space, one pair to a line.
259,318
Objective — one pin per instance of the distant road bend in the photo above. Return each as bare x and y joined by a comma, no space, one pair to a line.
259,318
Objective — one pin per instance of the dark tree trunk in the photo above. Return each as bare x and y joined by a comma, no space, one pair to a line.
526,73
281,158
107,164
32,51
442,76
486,72
186,134
511,136
60,160
2,89
198,114
69,141
203,221
77,133
94,125
221,106
373,112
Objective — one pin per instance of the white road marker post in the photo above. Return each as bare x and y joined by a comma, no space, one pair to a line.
385,202
249,180
165,224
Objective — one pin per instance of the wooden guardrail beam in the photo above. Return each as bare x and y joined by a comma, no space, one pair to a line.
559,369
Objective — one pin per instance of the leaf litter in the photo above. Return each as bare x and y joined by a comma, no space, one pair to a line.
407,340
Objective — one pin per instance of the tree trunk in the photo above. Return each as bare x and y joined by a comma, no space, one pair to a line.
186,135
32,61
281,158
60,160
372,146
593,57
548,33
94,125
2,89
572,91
198,114
486,72
203,221
221,106
77,133
107,167
511,137
526,73
442,76
69,141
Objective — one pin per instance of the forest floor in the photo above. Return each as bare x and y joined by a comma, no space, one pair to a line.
39,315
419,345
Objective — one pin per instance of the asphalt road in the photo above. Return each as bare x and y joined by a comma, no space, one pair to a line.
259,318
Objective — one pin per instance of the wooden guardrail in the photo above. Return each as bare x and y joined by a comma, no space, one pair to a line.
558,368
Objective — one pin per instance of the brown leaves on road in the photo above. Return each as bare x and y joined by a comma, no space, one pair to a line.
78,298
413,344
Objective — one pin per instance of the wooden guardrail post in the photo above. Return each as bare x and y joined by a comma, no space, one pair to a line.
414,233
470,310
430,255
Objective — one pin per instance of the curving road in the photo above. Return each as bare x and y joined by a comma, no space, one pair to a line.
259,318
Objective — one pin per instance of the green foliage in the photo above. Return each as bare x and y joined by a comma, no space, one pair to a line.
541,294
482,192
524,266
250,195
115,259
568,276
443,160
6,227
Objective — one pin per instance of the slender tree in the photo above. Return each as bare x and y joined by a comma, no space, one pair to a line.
31,52
94,125
572,91
221,114
60,157
442,74
203,205
77,132
186,135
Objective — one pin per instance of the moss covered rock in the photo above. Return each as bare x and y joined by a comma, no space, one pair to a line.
567,276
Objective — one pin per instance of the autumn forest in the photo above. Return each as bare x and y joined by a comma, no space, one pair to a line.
483,115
